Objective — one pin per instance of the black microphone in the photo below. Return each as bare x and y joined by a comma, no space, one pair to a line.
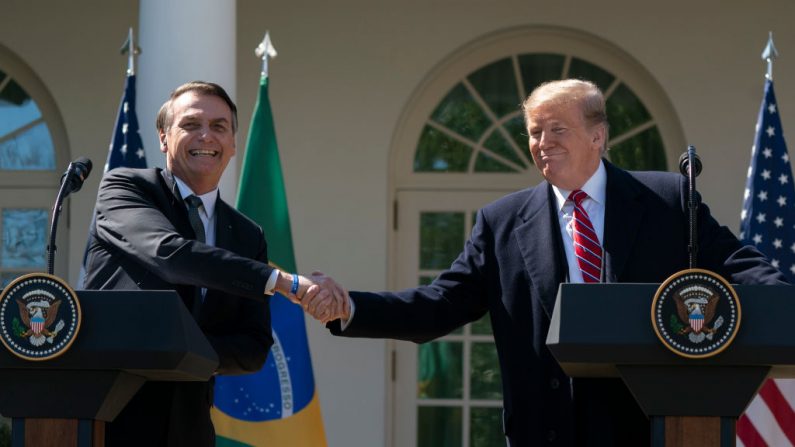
77,172
684,163
692,198
71,181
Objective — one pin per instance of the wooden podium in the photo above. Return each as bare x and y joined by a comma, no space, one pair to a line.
605,330
126,338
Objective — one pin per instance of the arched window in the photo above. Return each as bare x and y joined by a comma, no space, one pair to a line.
478,126
32,144
461,143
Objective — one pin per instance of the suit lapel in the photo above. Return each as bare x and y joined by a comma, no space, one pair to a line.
538,240
623,213
179,212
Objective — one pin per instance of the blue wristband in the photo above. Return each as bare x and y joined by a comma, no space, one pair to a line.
294,288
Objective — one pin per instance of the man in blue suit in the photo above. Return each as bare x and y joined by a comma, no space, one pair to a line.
527,243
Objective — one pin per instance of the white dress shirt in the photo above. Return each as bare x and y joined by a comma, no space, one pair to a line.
207,215
594,205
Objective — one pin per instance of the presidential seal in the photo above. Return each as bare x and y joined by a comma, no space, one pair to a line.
39,316
696,313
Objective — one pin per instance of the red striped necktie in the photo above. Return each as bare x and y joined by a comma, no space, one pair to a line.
586,244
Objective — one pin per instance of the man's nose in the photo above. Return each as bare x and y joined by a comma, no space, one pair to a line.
545,139
205,132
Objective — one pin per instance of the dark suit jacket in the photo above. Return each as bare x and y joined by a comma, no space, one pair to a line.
141,239
511,267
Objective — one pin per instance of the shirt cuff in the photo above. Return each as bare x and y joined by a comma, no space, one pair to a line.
344,323
271,284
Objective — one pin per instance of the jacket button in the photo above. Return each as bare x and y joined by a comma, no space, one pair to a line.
551,435
554,383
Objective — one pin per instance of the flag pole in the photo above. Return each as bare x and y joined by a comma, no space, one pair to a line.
265,50
129,48
769,54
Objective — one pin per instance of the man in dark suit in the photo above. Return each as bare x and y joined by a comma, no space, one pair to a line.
588,222
169,229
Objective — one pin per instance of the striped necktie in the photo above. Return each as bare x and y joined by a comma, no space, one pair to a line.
586,245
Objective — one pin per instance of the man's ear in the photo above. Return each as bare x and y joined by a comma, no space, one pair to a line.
163,145
598,136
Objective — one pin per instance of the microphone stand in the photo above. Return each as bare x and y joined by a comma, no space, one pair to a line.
56,212
692,204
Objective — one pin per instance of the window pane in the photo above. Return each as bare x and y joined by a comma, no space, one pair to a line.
459,112
482,326
439,427
16,108
29,150
425,280
496,84
585,70
538,68
625,111
486,428
441,239
644,151
24,238
497,143
485,371
487,163
438,152
440,366
515,126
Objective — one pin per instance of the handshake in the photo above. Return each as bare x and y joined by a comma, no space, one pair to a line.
319,295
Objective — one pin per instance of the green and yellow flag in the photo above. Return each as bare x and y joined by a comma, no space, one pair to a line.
277,405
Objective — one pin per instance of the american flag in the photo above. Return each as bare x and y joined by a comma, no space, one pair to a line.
126,148
768,222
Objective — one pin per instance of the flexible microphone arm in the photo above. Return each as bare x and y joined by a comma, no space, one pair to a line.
686,161
71,181
56,212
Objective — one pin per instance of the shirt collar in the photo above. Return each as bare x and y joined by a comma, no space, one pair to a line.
595,187
208,199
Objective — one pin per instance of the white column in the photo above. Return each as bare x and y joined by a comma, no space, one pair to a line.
181,41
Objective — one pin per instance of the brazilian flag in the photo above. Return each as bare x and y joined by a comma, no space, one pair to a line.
277,405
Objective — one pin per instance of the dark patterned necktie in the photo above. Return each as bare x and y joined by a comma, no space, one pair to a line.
586,244
198,227
193,216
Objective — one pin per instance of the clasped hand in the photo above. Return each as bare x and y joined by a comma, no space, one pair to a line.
321,297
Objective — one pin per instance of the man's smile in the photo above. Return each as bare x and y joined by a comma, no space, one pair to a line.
202,153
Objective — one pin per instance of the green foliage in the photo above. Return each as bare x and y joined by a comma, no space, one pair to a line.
17,327
676,325
5,433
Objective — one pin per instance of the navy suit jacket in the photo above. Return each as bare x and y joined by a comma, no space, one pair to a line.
141,239
511,267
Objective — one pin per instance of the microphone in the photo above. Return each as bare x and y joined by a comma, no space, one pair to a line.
77,172
692,199
71,181
684,162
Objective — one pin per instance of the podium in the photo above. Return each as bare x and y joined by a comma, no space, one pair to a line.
126,338
605,330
